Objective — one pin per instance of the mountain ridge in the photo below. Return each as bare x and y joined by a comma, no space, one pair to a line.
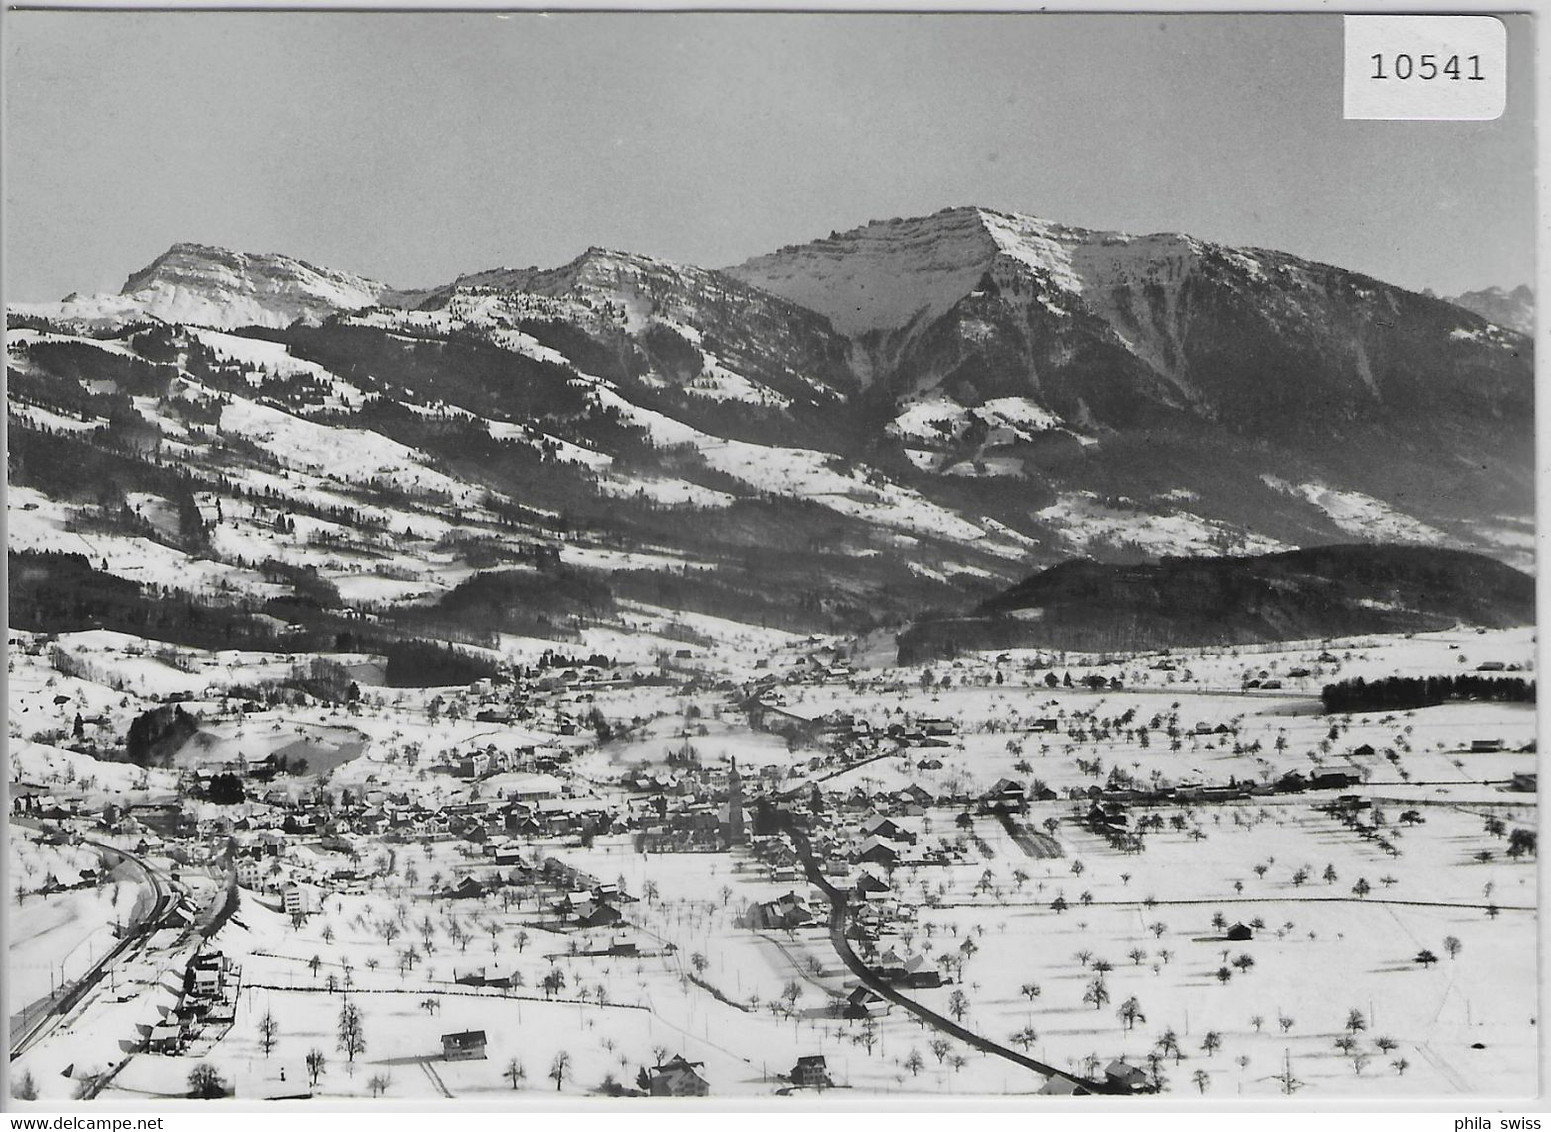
1513,309
1049,392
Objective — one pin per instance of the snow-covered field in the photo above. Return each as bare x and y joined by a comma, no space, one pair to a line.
58,933
1339,920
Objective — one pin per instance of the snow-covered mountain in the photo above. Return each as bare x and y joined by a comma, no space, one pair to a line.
1164,369
914,413
209,286
700,332
1514,309
1110,330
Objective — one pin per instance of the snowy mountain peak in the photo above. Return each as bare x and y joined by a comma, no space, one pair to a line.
596,269
884,274
205,266
894,273
211,286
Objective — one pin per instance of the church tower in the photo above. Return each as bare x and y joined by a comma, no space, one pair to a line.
735,831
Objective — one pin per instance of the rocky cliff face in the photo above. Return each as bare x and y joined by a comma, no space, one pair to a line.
1110,330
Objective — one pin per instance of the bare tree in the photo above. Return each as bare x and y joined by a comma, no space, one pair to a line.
1131,1012
958,1005
352,1033
1097,993
790,993
560,1068
269,1032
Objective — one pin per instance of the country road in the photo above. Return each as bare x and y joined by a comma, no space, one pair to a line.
837,919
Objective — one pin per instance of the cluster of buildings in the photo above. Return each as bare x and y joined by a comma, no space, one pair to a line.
206,1006
707,820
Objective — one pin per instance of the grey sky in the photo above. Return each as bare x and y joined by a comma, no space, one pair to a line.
414,147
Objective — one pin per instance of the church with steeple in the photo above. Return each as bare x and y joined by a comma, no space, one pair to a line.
733,817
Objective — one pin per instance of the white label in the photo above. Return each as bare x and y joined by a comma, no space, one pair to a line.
1426,68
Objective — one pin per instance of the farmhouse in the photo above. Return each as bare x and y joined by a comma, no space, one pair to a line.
466,888
811,1071
677,1077
1006,797
164,1038
790,911
870,887
468,1045
887,828
866,1003
599,916
1127,1077
1334,780
876,851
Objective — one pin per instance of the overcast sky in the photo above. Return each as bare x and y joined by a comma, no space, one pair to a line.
411,148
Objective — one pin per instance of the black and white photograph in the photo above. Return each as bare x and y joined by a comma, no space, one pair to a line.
791,558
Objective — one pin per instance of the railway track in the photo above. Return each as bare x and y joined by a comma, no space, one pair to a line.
38,1019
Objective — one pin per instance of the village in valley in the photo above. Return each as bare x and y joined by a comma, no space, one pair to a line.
770,864
796,560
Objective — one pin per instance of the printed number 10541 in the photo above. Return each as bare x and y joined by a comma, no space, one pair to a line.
1427,67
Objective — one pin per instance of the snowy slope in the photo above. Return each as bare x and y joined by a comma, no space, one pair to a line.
883,275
